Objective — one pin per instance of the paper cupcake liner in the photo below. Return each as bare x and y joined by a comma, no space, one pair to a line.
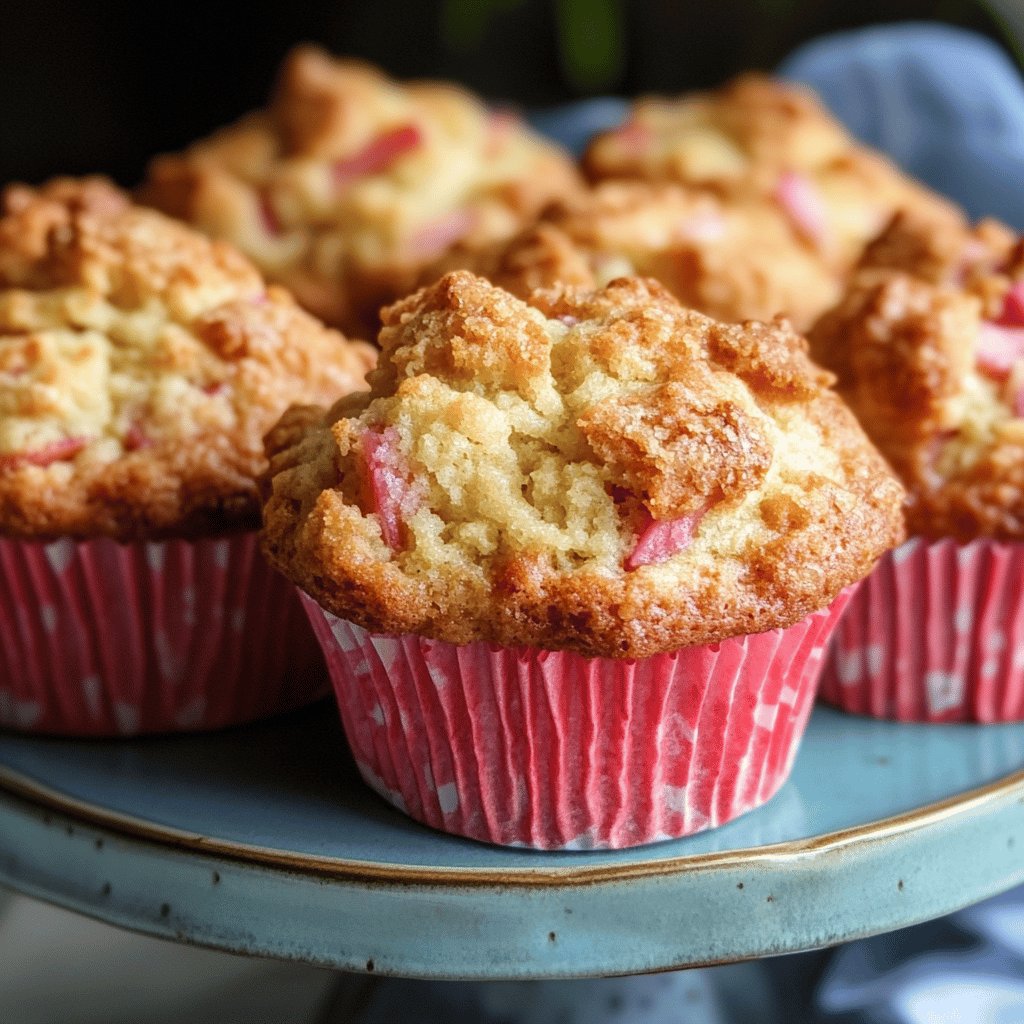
552,750
934,634
108,639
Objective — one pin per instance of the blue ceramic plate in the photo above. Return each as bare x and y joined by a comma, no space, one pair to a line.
263,839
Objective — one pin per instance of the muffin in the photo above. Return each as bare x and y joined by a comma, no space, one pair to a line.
572,558
734,261
928,347
140,366
757,137
350,184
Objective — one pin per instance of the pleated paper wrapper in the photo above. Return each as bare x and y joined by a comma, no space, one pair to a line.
552,750
99,638
934,634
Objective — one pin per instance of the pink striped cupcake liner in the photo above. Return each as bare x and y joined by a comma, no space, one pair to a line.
934,634
552,750
108,639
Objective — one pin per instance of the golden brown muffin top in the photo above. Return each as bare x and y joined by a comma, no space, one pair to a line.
734,260
928,346
140,366
759,136
350,182
601,471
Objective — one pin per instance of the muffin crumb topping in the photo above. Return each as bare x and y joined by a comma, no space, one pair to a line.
599,470
140,365
928,346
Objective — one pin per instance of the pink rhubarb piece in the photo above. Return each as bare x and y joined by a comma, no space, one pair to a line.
378,155
705,226
436,236
394,497
634,137
999,348
135,438
56,451
268,215
1013,307
501,124
660,539
800,198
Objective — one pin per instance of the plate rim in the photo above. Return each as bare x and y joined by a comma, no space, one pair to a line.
24,786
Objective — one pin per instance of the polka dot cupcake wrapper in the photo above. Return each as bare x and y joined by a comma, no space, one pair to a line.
105,639
934,634
551,750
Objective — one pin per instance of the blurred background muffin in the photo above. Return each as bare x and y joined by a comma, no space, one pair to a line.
350,183
759,139
734,260
928,347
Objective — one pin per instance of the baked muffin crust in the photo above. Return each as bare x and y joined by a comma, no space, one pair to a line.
734,261
601,471
928,346
758,136
140,366
351,183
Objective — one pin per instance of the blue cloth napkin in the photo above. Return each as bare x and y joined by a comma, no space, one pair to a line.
948,105
573,124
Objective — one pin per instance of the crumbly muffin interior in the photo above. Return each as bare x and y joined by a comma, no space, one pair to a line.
89,358
600,470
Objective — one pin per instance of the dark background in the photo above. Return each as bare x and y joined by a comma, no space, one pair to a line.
102,87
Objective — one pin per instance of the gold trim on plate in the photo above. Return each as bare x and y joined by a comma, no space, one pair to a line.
971,801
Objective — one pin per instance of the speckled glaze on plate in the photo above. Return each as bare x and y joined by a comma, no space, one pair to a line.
264,840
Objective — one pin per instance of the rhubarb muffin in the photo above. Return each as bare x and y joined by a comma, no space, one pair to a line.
928,347
140,366
734,261
755,136
350,183
586,500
